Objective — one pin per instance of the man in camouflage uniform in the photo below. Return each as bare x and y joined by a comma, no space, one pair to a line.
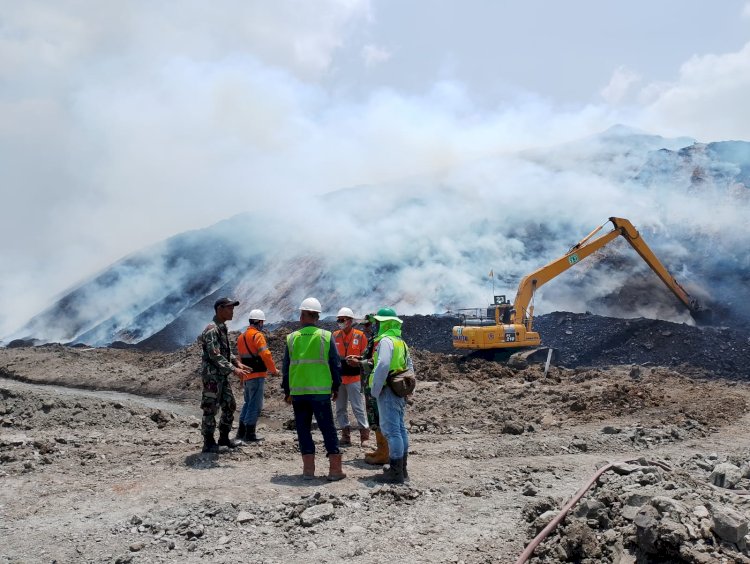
365,363
381,454
217,363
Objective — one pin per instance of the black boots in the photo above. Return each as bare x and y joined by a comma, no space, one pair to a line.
250,435
224,437
209,444
394,474
406,474
244,433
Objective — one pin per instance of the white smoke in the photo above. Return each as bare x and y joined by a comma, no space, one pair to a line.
124,124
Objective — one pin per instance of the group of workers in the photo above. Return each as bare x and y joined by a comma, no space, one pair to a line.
347,366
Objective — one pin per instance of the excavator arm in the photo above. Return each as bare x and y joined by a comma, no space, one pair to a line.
523,313
632,236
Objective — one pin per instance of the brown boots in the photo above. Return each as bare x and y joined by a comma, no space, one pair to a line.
308,466
364,437
335,473
380,454
346,437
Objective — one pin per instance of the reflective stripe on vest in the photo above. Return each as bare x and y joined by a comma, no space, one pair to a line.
398,359
244,345
309,372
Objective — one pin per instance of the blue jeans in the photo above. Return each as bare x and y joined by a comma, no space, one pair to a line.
320,406
253,401
392,411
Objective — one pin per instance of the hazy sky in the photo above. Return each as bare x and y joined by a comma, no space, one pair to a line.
123,123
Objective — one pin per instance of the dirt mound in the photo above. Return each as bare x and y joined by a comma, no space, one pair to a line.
172,375
80,424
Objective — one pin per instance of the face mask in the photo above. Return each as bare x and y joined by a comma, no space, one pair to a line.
341,324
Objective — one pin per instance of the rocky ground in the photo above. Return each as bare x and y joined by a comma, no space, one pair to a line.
100,457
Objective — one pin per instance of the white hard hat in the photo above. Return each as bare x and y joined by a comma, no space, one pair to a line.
257,315
345,312
311,304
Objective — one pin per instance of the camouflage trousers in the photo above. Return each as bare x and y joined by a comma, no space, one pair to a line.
217,394
373,416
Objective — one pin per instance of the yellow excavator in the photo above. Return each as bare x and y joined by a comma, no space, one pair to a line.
508,327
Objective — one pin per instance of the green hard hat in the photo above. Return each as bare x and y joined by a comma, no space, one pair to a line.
387,314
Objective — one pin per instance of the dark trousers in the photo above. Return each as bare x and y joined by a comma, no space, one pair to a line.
320,406
373,416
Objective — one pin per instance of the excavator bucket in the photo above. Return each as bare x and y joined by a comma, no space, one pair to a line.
702,316
539,355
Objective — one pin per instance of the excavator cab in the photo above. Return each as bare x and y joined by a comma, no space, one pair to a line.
500,310
492,328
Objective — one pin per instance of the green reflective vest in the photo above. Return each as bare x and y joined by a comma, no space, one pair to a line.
398,360
309,372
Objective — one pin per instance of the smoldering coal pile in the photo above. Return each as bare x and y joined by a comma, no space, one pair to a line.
592,340
584,339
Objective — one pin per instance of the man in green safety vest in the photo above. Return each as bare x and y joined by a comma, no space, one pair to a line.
311,380
391,357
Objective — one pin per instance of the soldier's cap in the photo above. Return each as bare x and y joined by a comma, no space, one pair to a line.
225,302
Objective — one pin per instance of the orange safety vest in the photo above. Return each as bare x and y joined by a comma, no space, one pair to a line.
355,344
253,343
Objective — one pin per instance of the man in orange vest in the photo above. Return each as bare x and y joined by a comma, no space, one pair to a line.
350,343
254,354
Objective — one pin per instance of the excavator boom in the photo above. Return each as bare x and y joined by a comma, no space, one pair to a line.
631,235
532,282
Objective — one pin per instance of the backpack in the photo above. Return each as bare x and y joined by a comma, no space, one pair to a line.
254,361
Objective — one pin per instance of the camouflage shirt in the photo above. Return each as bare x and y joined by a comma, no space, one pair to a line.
217,355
